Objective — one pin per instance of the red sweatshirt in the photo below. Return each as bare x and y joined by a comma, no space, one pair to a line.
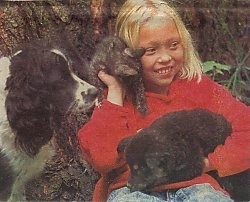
110,123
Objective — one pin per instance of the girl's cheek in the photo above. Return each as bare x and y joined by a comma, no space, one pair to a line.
147,60
146,63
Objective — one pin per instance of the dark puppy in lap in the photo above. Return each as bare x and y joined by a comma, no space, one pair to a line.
173,148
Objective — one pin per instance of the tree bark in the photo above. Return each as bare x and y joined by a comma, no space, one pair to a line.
220,28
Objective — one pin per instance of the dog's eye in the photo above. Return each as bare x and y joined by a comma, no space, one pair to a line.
135,167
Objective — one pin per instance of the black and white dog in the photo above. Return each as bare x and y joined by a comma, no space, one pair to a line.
37,88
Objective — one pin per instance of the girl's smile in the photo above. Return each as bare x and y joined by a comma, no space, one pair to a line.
163,58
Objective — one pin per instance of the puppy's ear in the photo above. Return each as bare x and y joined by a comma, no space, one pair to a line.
125,70
123,144
134,52
153,160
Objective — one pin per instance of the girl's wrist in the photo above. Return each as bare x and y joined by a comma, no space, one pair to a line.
115,95
208,167
115,91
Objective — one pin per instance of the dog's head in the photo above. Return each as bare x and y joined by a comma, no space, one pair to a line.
42,87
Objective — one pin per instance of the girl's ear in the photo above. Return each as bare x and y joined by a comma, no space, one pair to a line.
134,52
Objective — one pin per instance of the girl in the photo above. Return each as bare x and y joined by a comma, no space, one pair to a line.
173,79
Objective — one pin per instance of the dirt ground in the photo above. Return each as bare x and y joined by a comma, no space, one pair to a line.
68,177
64,179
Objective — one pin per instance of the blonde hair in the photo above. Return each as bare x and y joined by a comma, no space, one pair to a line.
135,13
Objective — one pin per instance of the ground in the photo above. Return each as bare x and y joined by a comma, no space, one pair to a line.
68,177
64,179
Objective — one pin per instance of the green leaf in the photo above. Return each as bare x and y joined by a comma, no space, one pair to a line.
215,66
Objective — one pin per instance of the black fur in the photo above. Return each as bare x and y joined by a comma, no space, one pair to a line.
39,88
173,148
236,185
115,58
6,178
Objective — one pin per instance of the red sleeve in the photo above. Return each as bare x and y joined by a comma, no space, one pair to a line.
99,138
234,156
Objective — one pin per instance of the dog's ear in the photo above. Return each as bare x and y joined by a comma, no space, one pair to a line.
134,52
37,83
123,144
28,110
28,119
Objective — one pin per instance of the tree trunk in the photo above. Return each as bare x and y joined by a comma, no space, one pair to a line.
220,28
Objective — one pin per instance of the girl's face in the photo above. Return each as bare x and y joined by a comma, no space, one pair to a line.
164,57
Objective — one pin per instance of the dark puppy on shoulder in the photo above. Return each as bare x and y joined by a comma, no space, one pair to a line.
173,148
115,58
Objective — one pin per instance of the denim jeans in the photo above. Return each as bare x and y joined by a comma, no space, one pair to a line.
195,193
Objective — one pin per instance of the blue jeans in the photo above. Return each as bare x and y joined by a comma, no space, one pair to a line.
195,193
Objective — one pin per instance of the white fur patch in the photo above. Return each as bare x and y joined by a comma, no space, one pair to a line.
58,52
16,53
4,73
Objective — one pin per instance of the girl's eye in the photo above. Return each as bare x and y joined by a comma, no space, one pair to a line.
174,45
150,51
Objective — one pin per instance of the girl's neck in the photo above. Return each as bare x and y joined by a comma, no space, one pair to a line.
157,89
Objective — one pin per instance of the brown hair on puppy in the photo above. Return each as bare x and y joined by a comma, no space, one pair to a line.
114,57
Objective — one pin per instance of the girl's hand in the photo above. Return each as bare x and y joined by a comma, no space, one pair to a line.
208,167
115,90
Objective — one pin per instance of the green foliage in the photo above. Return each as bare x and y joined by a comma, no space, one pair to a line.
212,69
238,81
235,77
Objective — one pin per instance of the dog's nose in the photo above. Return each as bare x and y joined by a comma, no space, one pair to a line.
91,94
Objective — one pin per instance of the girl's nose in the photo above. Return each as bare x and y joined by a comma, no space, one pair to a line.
164,57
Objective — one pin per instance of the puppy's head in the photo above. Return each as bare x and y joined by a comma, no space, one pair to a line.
116,58
154,159
144,163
